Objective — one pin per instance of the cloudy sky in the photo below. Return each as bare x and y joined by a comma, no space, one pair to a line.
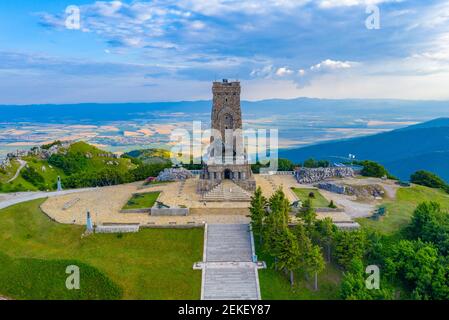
167,50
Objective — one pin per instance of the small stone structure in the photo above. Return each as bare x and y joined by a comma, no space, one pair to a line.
313,175
174,174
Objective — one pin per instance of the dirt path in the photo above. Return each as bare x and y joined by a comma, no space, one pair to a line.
22,165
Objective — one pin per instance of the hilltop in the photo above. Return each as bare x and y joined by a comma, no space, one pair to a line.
79,164
150,156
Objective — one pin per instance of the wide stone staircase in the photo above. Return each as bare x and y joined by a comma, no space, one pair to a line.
226,191
230,284
228,270
228,243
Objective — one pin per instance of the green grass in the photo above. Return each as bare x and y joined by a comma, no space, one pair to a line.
152,264
275,285
400,210
319,201
25,278
142,200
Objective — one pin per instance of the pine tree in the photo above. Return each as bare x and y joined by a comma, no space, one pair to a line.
258,212
275,224
326,230
288,253
307,214
314,262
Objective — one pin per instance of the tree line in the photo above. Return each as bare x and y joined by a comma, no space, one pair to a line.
414,263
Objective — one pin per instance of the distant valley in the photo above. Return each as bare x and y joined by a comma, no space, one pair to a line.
129,126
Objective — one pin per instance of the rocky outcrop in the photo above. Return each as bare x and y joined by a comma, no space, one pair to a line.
332,187
45,153
174,174
313,175
4,164
360,191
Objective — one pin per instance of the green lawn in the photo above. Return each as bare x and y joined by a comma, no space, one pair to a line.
142,200
275,285
319,201
400,210
151,264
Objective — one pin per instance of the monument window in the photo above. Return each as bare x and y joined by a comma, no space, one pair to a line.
228,121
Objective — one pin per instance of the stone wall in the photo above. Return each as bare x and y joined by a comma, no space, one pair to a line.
143,210
313,175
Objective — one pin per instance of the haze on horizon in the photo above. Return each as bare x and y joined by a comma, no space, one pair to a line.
144,51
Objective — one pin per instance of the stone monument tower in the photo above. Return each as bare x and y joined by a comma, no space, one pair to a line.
227,158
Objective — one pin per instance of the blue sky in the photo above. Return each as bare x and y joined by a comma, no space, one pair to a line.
133,51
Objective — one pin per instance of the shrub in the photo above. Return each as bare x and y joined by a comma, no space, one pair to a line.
312,163
32,176
373,169
70,163
428,179
144,171
332,205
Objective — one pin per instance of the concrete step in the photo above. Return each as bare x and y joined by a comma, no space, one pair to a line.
228,243
230,284
227,190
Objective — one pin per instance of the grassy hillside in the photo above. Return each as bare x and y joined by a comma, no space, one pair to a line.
151,156
81,165
151,264
400,210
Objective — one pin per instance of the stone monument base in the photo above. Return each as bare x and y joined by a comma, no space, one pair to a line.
213,175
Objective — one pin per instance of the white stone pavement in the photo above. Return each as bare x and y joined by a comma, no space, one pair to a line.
228,270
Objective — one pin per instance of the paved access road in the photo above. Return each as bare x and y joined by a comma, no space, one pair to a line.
22,165
10,199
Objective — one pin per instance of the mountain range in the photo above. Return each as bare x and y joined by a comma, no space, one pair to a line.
424,146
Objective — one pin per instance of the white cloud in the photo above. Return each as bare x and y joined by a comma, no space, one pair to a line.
350,3
283,71
264,72
330,65
223,7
